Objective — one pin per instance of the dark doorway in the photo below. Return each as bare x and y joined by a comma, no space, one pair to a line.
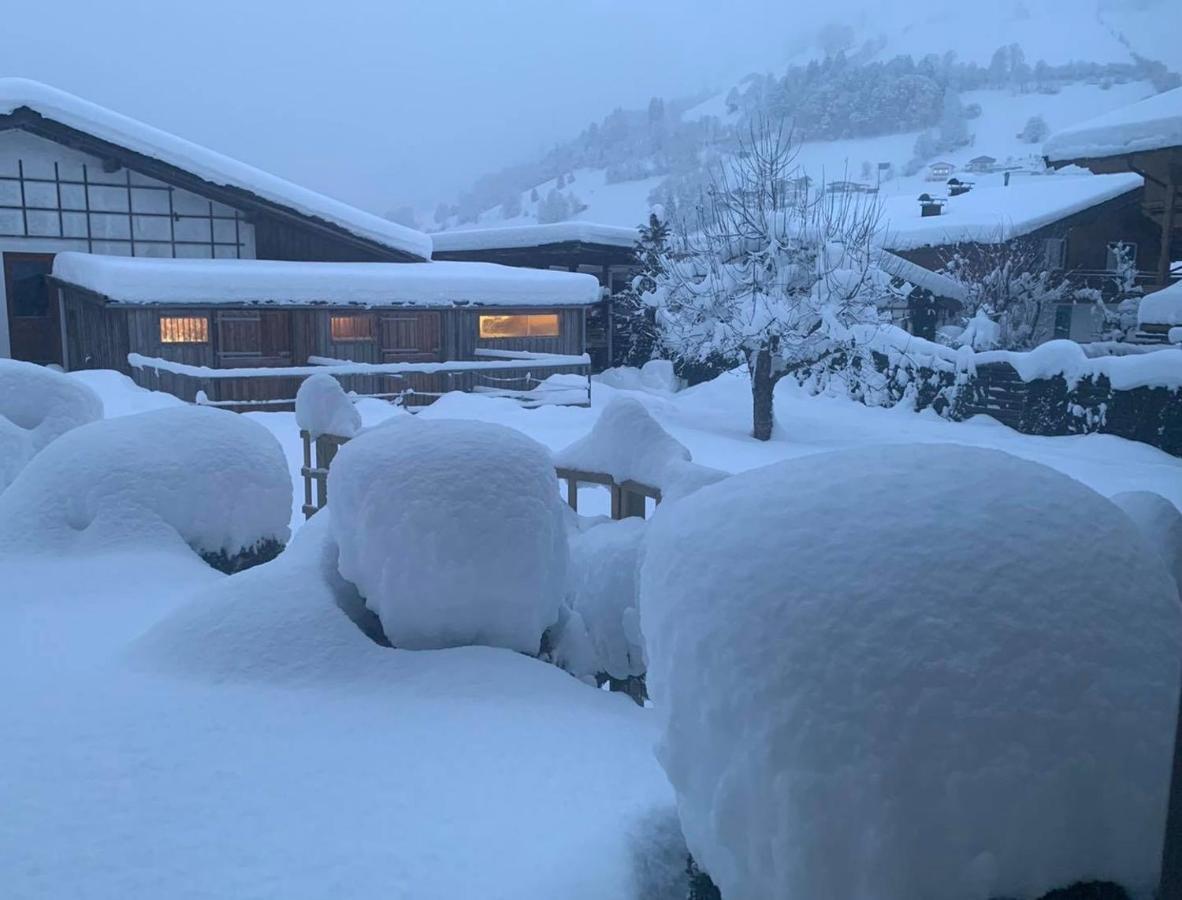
34,327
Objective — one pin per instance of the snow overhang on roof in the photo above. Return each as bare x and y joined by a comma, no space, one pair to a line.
1162,307
231,282
1152,124
522,236
993,215
938,284
129,134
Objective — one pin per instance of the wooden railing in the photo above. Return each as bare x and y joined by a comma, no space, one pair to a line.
628,498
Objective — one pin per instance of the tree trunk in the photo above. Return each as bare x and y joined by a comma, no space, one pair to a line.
763,386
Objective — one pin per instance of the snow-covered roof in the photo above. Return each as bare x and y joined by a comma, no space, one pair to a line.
141,280
940,285
994,214
1152,124
1162,307
534,236
130,134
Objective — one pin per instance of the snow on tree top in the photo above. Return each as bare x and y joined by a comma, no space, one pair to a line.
991,215
1162,307
1152,124
229,281
123,131
534,236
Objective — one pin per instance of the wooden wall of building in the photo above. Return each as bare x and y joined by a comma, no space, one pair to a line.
277,239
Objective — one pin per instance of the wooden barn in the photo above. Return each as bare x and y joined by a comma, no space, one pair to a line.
605,251
246,332
1078,225
77,177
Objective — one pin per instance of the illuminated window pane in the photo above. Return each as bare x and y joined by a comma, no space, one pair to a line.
352,328
184,330
538,325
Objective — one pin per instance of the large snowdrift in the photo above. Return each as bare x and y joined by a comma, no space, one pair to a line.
453,531
37,406
257,281
881,675
210,479
125,132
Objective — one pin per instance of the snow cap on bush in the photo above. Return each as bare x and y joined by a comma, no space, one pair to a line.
214,479
911,671
37,406
323,407
453,531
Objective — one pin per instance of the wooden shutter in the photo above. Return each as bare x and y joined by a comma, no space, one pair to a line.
253,338
410,337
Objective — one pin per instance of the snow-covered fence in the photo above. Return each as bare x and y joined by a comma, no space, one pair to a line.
522,376
1055,389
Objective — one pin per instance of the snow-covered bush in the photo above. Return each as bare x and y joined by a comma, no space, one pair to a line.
210,479
323,407
627,443
911,671
1160,524
453,531
38,405
600,630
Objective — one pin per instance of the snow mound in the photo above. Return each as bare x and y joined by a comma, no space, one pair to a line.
600,633
453,531
627,443
655,377
323,407
37,406
880,675
210,479
1160,524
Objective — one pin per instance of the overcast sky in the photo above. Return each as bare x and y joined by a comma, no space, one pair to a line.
385,103
381,103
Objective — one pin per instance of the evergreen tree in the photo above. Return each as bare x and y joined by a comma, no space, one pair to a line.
633,327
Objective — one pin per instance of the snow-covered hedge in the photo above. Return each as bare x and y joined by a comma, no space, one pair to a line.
599,633
880,675
453,531
37,406
213,480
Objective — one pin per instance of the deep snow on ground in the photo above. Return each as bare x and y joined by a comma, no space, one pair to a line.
471,772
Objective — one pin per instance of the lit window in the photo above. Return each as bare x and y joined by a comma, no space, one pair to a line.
352,328
184,330
541,325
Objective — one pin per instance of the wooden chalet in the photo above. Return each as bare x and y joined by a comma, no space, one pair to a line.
1146,139
235,329
1080,225
605,251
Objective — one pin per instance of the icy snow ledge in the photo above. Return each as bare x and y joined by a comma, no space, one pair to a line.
1162,307
1152,124
874,669
37,406
628,444
436,285
212,480
323,407
125,132
453,531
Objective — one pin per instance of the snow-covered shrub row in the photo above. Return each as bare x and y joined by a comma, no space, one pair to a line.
323,407
38,405
598,633
453,531
209,479
878,675
627,443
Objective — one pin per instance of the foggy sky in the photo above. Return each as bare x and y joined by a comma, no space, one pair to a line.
382,104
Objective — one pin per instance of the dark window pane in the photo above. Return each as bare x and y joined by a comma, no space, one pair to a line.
30,293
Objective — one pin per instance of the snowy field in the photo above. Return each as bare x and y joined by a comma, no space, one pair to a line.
173,732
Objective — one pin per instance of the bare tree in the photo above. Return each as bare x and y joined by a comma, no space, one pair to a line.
772,270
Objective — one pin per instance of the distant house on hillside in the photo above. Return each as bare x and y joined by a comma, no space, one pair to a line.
940,171
981,164
605,251
1070,224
